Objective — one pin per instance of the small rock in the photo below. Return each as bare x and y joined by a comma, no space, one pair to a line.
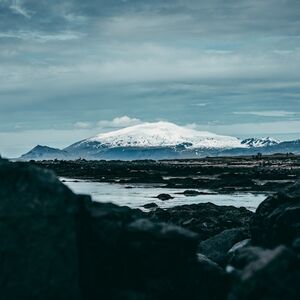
164,197
150,205
191,193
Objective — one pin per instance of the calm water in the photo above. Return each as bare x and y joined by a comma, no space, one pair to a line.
140,194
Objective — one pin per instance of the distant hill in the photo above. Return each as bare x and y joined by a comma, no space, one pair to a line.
44,152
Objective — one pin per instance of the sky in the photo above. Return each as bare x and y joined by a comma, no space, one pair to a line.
70,69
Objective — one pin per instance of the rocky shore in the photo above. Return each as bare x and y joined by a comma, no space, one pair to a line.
256,174
59,245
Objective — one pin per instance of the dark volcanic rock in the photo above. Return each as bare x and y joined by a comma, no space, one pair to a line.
129,257
191,193
206,219
57,245
266,274
216,248
150,205
277,219
38,223
296,245
164,197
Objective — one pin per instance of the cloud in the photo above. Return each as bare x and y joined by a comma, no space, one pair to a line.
267,113
83,125
252,129
40,36
119,122
16,7
200,104
67,61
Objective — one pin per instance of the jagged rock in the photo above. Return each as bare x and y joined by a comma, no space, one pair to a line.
276,220
216,248
266,274
207,219
38,223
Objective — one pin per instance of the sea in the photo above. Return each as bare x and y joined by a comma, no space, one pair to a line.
137,195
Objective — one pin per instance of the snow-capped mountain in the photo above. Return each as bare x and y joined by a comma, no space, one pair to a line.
260,142
161,134
161,140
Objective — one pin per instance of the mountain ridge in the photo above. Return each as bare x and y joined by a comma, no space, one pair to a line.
161,140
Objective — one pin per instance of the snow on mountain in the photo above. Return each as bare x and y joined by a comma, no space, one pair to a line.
163,134
260,142
161,140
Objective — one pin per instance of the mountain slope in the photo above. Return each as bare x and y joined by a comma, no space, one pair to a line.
162,134
44,152
260,142
161,140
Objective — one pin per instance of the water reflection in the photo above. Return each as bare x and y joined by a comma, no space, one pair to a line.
137,195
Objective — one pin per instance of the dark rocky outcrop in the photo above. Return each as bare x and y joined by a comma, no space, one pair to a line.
128,257
150,205
266,274
57,245
38,229
266,174
207,219
277,219
216,248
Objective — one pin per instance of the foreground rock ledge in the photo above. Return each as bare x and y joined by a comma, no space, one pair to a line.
58,245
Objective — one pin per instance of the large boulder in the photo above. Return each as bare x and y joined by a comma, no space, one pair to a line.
277,219
127,256
57,245
265,274
38,223
216,248
207,219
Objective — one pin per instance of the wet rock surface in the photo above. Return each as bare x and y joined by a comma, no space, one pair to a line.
58,245
263,174
207,219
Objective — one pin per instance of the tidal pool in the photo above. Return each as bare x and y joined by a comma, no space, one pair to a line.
137,195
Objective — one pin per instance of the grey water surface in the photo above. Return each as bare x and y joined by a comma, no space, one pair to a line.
137,195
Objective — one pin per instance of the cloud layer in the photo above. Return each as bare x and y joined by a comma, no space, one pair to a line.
66,64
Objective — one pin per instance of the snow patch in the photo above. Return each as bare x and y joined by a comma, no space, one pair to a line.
164,134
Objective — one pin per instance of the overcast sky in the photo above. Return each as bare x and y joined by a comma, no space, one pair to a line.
72,68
